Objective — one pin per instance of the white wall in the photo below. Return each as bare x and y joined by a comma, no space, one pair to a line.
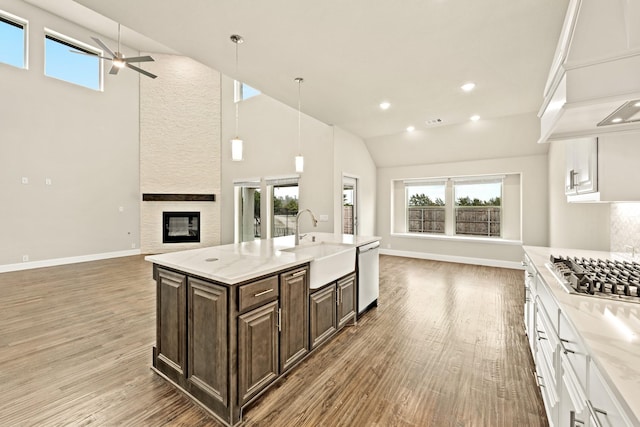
85,141
352,158
573,225
269,130
533,170
179,146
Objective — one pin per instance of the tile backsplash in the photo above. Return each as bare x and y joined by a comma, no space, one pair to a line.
625,227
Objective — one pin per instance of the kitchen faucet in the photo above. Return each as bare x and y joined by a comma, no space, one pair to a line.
315,224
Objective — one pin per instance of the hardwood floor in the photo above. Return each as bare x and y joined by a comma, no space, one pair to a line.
446,347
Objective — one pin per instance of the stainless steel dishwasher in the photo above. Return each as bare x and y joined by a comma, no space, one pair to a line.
368,275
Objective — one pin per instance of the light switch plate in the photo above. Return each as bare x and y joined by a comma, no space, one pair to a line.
323,218
25,180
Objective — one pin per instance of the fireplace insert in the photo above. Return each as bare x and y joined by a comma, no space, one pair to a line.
180,227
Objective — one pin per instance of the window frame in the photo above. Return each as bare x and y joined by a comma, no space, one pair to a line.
80,46
16,21
426,183
239,92
456,207
510,210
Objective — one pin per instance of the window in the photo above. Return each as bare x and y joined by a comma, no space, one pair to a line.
425,206
478,205
284,205
242,91
62,63
13,40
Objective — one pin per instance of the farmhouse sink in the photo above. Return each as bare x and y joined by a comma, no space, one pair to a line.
331,261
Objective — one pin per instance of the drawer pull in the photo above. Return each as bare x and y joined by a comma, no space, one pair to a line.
299,273
259,294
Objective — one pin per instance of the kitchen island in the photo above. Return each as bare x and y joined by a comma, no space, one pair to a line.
585,348
233,319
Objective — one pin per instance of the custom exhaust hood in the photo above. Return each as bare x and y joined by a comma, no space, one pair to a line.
594,82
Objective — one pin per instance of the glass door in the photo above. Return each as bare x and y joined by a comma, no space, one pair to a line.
349,205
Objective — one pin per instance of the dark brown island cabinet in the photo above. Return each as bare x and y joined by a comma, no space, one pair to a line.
223,345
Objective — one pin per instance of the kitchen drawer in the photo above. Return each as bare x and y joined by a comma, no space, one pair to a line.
548,301
257,293
573,351
547,346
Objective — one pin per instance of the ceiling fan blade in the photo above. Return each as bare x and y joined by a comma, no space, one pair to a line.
89,54
140,70
138,59
114,70
103,46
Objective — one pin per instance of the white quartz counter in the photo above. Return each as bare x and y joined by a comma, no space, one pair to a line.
236,263
610,329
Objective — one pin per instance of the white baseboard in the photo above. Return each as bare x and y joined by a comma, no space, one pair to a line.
452,258
69,260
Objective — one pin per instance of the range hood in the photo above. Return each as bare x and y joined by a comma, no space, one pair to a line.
595,71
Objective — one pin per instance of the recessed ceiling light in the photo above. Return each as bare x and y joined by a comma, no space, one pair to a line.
385,105
474,118
411,128
432,122
468,87
616,120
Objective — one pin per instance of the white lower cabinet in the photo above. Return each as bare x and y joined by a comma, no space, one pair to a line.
574,392
546,360
604,409
572,409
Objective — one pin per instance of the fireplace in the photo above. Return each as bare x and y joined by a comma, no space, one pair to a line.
180,227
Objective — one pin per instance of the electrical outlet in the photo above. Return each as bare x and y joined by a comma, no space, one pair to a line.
47,181
133,246
121,209
323,218
25,258
25,180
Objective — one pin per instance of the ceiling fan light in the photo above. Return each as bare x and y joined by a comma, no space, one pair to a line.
236,150
299,163
118,63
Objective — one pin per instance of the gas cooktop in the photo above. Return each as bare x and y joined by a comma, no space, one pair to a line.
619,280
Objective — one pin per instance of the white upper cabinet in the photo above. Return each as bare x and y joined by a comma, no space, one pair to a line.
603,169
581,171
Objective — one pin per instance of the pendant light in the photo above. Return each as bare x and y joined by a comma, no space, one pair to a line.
236,142
299,158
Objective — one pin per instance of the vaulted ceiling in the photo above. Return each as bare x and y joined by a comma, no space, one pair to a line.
355,54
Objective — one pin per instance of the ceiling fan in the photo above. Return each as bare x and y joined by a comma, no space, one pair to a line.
118,59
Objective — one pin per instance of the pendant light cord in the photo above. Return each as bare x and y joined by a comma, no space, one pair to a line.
299,80
239,88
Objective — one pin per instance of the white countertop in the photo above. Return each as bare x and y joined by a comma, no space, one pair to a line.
609,329
236,263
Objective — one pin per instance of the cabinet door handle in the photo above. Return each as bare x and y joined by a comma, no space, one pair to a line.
565,349
538,378
572,179
594,413
279,320
259,294
299,273
540,337
573,421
